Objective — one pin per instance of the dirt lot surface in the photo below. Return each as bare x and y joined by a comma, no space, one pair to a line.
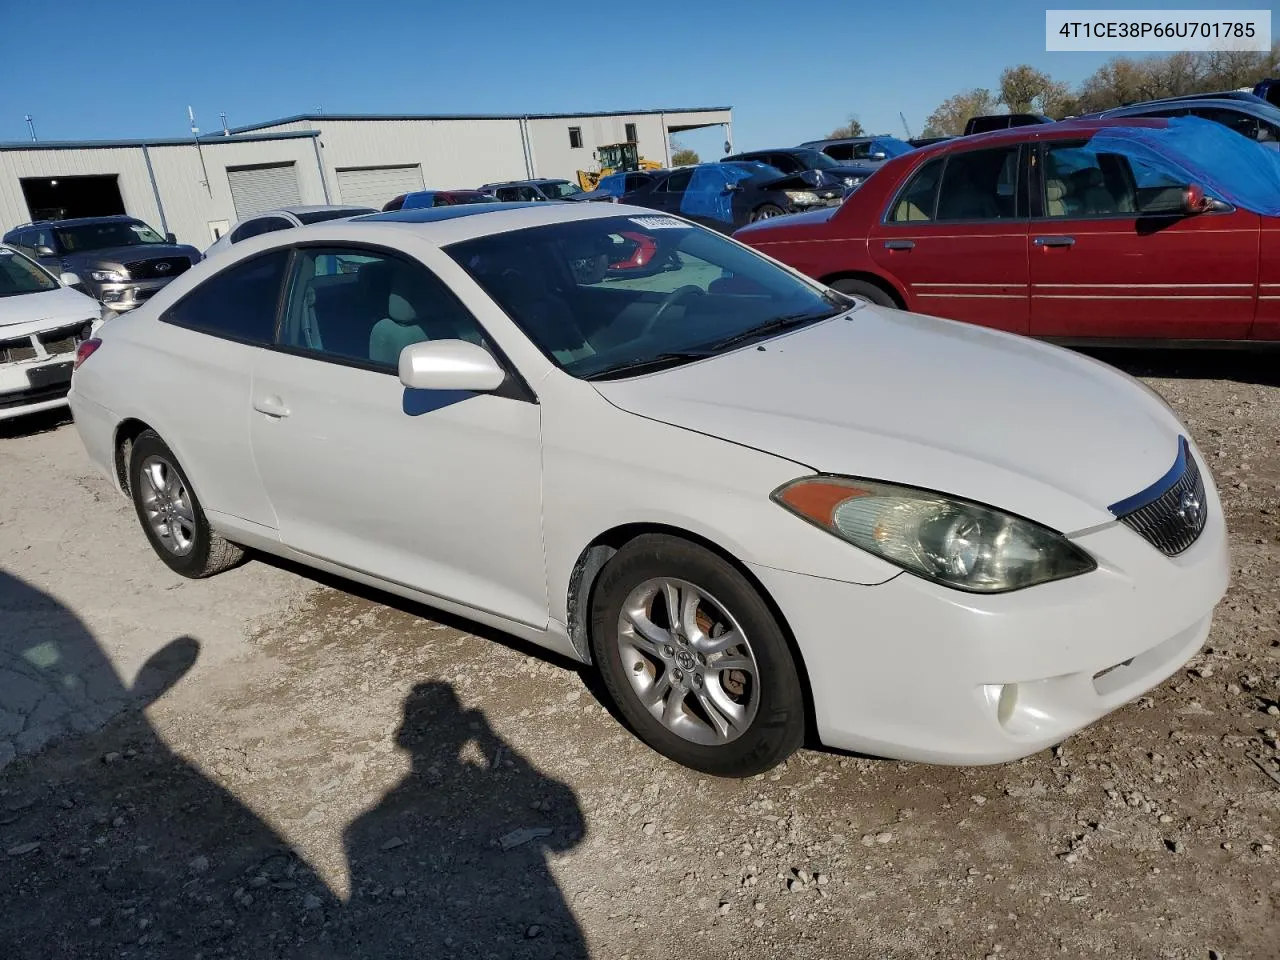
300,769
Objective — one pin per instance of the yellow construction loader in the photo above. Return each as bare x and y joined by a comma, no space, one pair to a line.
615,158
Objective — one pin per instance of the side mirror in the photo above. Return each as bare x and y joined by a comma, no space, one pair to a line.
879,155
70,280
43,251
1194,201
450,365
170,238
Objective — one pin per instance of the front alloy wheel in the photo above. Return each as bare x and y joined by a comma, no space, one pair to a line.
695,659
689,662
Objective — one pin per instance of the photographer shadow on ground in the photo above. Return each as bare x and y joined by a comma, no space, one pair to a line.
110,841
453,861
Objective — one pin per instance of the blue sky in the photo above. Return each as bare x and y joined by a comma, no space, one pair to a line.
791,72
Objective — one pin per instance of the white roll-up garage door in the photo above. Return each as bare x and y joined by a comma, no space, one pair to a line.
263,187
374,186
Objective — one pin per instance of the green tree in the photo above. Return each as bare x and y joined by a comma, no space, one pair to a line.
1022,87
851,129
950,116
683,157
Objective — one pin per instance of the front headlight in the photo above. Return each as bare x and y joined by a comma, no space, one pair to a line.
109,276
802,198
853,181
935,536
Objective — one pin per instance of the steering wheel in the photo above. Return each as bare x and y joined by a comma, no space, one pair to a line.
677,295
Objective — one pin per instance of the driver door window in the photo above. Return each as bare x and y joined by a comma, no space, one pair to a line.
1079,182
364,307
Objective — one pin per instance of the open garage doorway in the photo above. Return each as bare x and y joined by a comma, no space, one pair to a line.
57,198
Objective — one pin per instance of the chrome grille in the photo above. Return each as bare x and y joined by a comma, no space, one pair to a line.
161,268
1173,521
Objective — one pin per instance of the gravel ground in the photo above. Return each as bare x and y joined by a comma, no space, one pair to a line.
305,769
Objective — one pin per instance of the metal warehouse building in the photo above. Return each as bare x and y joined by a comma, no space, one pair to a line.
198,188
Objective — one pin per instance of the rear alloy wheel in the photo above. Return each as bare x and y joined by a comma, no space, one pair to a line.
865,290
694,659
766,211
170,514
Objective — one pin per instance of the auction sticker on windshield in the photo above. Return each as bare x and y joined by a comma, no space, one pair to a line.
659,223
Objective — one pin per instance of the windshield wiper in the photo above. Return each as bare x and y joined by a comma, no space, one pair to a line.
776,325
659,361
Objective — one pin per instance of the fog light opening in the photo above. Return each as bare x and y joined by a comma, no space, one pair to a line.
1007,703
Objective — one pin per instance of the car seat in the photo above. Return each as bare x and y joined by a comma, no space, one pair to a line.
1055,194
414,312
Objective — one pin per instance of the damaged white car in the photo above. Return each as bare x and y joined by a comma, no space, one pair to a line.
42,322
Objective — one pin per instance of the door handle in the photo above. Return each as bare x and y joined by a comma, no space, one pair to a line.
1054,241
899,244
271,405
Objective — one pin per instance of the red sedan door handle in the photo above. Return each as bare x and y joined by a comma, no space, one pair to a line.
1054,241
899,244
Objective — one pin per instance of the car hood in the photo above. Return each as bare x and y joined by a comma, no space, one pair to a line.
47,309
118,256
1003,420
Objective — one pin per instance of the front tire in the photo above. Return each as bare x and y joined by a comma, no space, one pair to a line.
694,659
766,211
170,514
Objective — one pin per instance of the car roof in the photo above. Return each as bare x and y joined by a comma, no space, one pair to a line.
76,222
310,208
1059,130
1253,107
446,225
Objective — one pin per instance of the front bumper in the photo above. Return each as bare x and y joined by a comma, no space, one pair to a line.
34,385
915,671
121,297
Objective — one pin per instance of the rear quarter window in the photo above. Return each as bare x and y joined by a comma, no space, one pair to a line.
239,303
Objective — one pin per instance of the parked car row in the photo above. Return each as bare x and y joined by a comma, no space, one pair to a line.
1097,230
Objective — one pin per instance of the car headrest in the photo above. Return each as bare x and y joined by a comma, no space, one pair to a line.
401,310
1054,190
374,280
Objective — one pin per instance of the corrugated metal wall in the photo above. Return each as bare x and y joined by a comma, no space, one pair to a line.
126,163
453,154
553,157
191,207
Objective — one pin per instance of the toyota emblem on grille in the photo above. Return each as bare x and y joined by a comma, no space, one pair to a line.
1189,507
163,267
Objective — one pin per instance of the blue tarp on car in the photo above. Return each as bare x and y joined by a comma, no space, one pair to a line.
708,195
1228,166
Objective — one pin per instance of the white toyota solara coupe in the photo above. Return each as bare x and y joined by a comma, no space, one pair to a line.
757,506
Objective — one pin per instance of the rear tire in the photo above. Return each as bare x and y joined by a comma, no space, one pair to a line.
865,290
718,690
170,514
766,211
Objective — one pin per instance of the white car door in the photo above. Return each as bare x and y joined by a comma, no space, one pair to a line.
194,385
438,491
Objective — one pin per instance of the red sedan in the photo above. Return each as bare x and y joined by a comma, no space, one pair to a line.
1041,231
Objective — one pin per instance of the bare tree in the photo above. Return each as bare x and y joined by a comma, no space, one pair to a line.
851,129
950,116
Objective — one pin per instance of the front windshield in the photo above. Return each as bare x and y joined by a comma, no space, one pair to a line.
890,146
602,297
18,275
815,160
109,233
560,189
